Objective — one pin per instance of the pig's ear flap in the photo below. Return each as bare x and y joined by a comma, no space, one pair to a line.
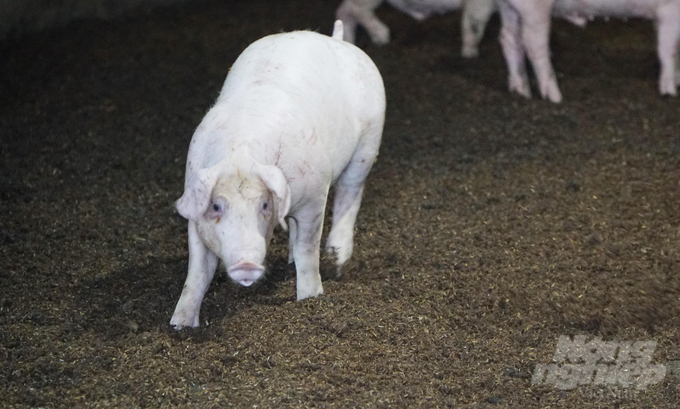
197,191
276,182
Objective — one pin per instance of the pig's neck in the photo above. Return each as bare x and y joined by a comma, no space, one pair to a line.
234,133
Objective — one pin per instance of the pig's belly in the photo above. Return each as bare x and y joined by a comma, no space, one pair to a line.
606,8
422,9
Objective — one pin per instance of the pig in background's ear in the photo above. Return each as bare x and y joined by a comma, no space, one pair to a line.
276,182
196,197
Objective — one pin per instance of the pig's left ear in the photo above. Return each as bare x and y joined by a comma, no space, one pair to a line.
197,191
276,182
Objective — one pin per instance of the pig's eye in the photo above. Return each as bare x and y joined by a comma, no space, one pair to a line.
265,205
217,207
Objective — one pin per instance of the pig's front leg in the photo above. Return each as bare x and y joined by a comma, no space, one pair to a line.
309,222
476,14
202,264
513,49
668,26
352,12
292,236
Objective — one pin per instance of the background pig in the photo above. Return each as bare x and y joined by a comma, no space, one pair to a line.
526,28
476,14
297,112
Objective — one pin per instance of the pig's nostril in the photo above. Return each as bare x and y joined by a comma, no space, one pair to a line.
246,266
245,273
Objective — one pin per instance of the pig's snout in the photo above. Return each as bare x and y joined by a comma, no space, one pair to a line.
245,273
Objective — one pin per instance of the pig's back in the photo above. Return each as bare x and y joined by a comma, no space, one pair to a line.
308,65
316,92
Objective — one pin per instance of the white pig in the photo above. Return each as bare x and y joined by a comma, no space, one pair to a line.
476,14
526,29
298,112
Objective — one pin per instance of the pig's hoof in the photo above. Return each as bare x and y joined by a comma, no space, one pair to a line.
380,36
339,253
554,96
551,91
302,294
340,243
668,89
329,264
309,289
469,52
520,87
179,321
521,92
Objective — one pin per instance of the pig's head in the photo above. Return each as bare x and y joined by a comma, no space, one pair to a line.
235,209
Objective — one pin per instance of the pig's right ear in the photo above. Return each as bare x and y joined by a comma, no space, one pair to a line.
197,191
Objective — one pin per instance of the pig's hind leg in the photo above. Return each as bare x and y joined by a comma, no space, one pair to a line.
677,67
348,192
476,14
353,12
513,49
536,38
202,265
668,27
346,13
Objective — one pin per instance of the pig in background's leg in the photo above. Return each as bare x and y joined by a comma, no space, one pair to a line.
348,191
352,12
668,27
476,14
537,48
513,49
309,221
346,14
535,33
292,236
202,265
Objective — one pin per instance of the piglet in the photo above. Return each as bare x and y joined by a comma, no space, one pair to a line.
476,14
298,112
526,28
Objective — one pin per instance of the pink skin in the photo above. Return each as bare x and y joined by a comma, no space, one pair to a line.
298,113
476,14
235,227
202,265
245,273
240,217
668,28
526,29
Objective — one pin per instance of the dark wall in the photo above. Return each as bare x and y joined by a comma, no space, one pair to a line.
21,16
